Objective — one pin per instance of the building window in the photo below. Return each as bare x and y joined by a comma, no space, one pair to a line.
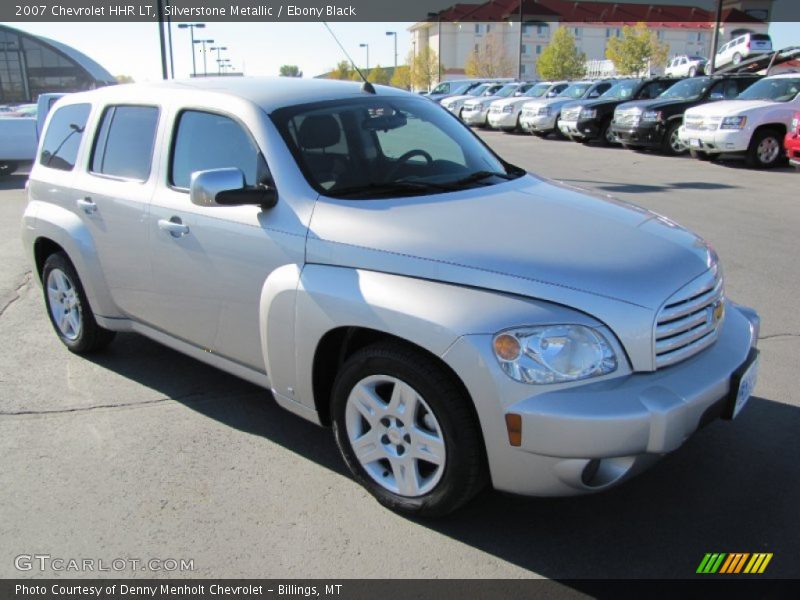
613,32
538,49
477,48
577,32
542,29
525,49
527,29
488,27
660,35
478,28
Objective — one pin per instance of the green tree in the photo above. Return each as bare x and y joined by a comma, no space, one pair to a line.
425,68
636,50
401,78
378,75
124,79
490,60
561,58
290,71
341,71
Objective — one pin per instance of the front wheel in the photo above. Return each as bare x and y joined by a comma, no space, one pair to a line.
68,308
673,146
407,431
766,149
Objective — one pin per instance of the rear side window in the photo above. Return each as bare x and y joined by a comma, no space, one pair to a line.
63,137
210,141
760,37
124,143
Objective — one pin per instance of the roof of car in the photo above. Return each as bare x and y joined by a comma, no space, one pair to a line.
269,93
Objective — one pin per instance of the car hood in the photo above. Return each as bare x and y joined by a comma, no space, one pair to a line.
484,100
729,107
458,98
656,103
515,101
557,238
549,102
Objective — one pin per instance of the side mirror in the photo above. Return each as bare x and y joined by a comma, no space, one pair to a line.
226,187
716,96
594,94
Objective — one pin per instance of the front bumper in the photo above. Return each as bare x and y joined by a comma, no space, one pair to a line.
538,123
503,120
581,129
792,145
475,117
612,428
643,136
718,141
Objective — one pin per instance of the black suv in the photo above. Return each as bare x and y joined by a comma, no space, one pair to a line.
654,123
588,120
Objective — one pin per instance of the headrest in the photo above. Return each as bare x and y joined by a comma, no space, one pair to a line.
318,131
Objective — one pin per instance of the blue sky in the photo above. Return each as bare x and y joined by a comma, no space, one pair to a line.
258,48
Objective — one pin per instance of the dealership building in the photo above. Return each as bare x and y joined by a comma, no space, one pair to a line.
31,65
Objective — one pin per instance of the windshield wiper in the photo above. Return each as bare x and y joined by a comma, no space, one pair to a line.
390,187
480,176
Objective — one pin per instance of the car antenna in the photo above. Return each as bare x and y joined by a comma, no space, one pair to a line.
366,86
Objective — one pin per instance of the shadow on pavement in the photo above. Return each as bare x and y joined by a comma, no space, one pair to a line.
733,487
15,181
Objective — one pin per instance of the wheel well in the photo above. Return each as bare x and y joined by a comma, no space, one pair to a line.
42,249
779,127
338,345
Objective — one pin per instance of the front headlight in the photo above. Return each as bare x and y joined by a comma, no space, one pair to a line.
733,123
508,108
652,116
554,353
588,113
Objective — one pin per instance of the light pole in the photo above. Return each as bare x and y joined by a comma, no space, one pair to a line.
438,17
204,42
224,63
394,33
218,49
191,27
367,47
715,39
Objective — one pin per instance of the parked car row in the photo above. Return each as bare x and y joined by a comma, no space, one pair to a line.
708,116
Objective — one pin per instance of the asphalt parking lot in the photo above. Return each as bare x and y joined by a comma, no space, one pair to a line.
143,453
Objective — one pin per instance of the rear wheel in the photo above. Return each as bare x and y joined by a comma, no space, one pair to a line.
407,431
68,308
692,71
607,136
766,149
737,58
672,144
559,134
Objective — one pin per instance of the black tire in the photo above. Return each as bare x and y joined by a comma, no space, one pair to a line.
666,146
557,131
604,132
90,337
7,169
699,155
756,159
464,472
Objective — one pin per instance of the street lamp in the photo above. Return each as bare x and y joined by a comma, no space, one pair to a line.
367,47
438,17
224,63
191,27
394,33
218,49
204,42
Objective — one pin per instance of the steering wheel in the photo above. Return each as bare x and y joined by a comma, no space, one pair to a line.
401,160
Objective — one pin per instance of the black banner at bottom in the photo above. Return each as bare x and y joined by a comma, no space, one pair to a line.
389,589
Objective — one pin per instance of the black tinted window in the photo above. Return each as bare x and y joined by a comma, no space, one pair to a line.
208,141
63,137
124,143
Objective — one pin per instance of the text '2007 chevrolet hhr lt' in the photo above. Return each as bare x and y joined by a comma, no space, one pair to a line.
359,252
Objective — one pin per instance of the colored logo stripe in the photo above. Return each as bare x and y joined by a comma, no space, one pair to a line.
734,563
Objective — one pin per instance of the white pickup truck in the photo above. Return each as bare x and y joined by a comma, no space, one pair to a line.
19,136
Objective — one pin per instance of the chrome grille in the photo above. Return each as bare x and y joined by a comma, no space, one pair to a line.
627,118
689,321
571,114
495,109
695,123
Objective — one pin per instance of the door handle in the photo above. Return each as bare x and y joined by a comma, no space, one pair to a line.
174,226
87,205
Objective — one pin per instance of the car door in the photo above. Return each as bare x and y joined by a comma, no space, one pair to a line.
209,264
117,186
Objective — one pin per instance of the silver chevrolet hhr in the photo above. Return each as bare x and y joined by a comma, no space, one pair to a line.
364,256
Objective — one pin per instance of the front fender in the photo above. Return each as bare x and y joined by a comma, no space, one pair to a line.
430,314
46,220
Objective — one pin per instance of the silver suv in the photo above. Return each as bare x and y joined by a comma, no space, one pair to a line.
365,257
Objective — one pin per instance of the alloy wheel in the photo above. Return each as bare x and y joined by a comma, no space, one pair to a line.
65,306
395,436
768,150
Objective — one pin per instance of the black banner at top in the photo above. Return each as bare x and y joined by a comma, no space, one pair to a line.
566,11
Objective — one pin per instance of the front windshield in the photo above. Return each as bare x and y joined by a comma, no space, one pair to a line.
624,89
783,89
537,91
378,147
507,90
461,89
520,91
477,91
575,91
688,89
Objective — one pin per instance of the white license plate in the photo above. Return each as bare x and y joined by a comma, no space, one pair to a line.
746,386
694,143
